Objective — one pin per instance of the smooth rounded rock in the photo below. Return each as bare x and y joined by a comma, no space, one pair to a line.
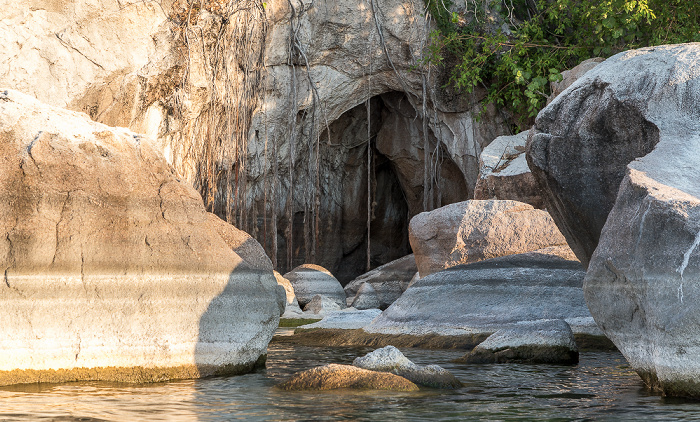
333,376
309,280
388,281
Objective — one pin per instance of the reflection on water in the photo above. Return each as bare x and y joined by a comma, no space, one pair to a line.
601,387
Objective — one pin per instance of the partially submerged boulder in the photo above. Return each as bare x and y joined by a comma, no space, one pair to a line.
545,341
310,280
333,376
504,174
486,296
472,231
388,281
390,359
632,203
101,245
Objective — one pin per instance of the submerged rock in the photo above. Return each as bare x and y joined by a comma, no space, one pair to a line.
346,319
504,174
390,359
486,296
333,376
546,341
309,280
472,231
113,268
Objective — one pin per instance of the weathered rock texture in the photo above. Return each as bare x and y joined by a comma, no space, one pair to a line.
309,280
346,319
546,341
252,103
390,359
322,305
113,269
472,231
333,376
504,174
386,283
633,122
572,75
483,297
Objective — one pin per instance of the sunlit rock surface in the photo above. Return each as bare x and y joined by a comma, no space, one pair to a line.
113,270
346,319
631,203
333,376
483,297
504,174
472,231
544,341
388,282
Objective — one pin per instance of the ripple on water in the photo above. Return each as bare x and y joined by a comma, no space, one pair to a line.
601,387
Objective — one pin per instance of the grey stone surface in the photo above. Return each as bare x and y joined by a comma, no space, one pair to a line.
635,116
504,174
347,319
543,341
472,231
366,298
320,304
486,296
390,359
309,280
388,281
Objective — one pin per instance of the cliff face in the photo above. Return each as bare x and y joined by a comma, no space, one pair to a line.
238,93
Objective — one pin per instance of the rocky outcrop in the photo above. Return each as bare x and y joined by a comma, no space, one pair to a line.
484,297
633,123
504,174
387,282
250,103
102,245
472,231
310,280
546,341
390,359
333,376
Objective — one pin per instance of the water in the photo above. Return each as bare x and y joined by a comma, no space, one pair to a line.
601,387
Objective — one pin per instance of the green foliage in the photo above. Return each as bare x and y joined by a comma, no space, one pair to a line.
515,62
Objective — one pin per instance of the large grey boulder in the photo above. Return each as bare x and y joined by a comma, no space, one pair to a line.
504,174
632,203
309,280
388,281
390,359
113,269
486,296
472,231
545,341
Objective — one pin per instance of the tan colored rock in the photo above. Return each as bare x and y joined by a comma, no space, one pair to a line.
473,231
504,174
333,376
113,269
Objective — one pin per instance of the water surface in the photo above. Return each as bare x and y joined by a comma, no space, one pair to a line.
601,387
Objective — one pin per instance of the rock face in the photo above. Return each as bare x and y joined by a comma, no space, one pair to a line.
390,359
333,376
224,70
472,231
504,174
345,320
102,245
572,75
633,123
310,280
546,341
388,281
490,295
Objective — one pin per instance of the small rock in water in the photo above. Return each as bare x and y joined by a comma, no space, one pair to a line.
332,376
390,359
544,341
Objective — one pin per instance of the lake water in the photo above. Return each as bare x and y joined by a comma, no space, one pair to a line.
601,387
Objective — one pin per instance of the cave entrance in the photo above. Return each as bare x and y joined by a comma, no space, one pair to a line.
396,178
